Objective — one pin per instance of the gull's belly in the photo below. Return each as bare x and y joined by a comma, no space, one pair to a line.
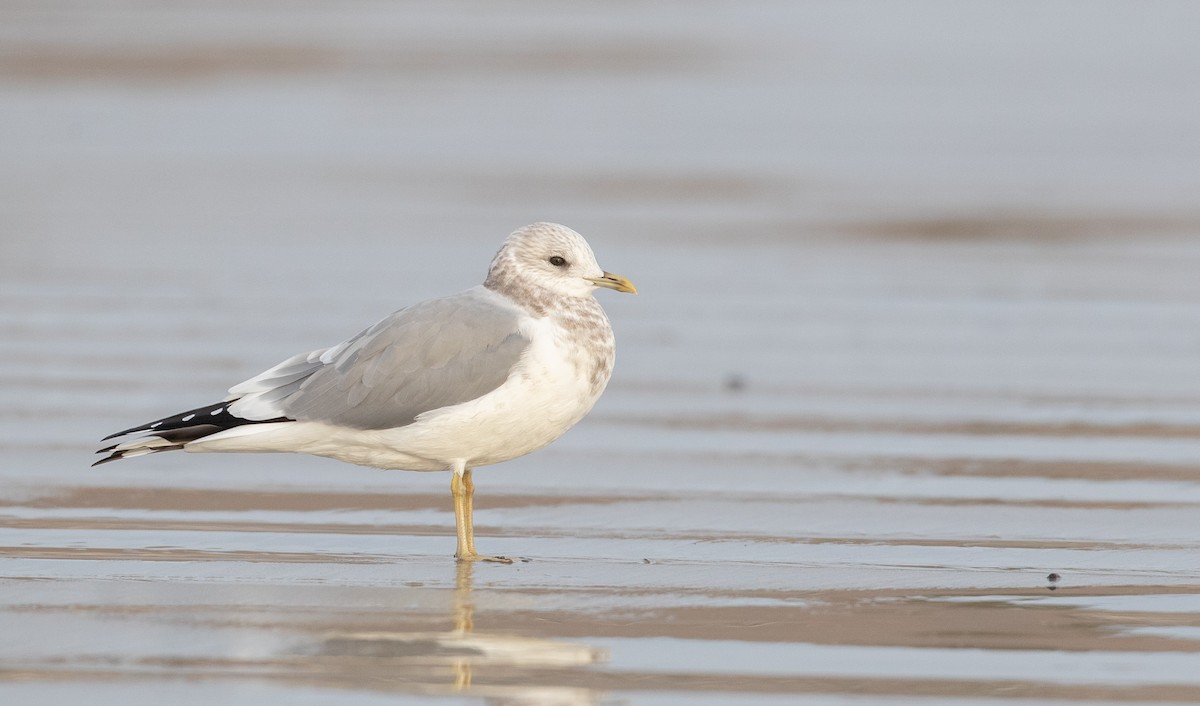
523,415
519,417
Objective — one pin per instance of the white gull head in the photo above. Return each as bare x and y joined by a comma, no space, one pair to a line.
548,258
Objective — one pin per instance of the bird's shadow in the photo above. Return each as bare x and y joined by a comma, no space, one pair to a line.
507,667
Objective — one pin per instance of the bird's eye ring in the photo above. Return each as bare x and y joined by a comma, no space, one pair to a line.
558,261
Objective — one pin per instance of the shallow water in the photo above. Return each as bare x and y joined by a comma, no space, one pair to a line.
918,328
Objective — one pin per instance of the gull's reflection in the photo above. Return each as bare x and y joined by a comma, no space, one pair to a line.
506,669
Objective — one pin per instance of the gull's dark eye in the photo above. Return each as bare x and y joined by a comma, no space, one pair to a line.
558,261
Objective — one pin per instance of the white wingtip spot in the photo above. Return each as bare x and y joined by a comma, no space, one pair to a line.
217,411
155,424
137,452
188,418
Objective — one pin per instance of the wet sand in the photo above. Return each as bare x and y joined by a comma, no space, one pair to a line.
891,368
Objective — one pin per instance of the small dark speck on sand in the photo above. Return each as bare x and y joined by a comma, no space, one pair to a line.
735,383
1053,579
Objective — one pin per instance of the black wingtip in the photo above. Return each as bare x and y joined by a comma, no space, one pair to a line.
130,430
216,415
178,430
175,421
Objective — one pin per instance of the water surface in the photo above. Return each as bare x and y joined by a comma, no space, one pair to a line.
918,329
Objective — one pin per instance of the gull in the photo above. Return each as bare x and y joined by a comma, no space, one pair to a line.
451,384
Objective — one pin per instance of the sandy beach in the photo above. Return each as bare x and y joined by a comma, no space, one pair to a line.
907,410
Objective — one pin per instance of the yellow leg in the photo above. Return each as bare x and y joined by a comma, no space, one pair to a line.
463,490
462,518
469,486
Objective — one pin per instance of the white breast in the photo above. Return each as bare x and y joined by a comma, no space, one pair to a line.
548,393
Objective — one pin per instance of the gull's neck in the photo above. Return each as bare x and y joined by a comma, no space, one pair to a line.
539,301
580,320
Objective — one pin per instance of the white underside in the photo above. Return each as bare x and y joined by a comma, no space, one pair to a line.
545,396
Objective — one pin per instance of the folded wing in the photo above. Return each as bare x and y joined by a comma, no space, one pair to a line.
436,354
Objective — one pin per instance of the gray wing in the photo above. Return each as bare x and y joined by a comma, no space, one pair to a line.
434,354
